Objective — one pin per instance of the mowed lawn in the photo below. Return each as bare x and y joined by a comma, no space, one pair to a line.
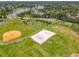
17,24
64,43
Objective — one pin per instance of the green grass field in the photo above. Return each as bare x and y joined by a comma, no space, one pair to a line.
63,43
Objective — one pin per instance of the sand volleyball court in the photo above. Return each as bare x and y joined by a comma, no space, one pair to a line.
11,35
42,36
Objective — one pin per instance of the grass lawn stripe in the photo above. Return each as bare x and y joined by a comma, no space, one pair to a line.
41,50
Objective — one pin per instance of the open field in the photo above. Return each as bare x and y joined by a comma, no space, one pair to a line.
64,43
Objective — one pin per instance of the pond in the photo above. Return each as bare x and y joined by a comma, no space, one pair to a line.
19,11
2,22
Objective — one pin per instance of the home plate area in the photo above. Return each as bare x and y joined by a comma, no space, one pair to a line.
42,36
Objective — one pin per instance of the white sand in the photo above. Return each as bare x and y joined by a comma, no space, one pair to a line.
42,36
